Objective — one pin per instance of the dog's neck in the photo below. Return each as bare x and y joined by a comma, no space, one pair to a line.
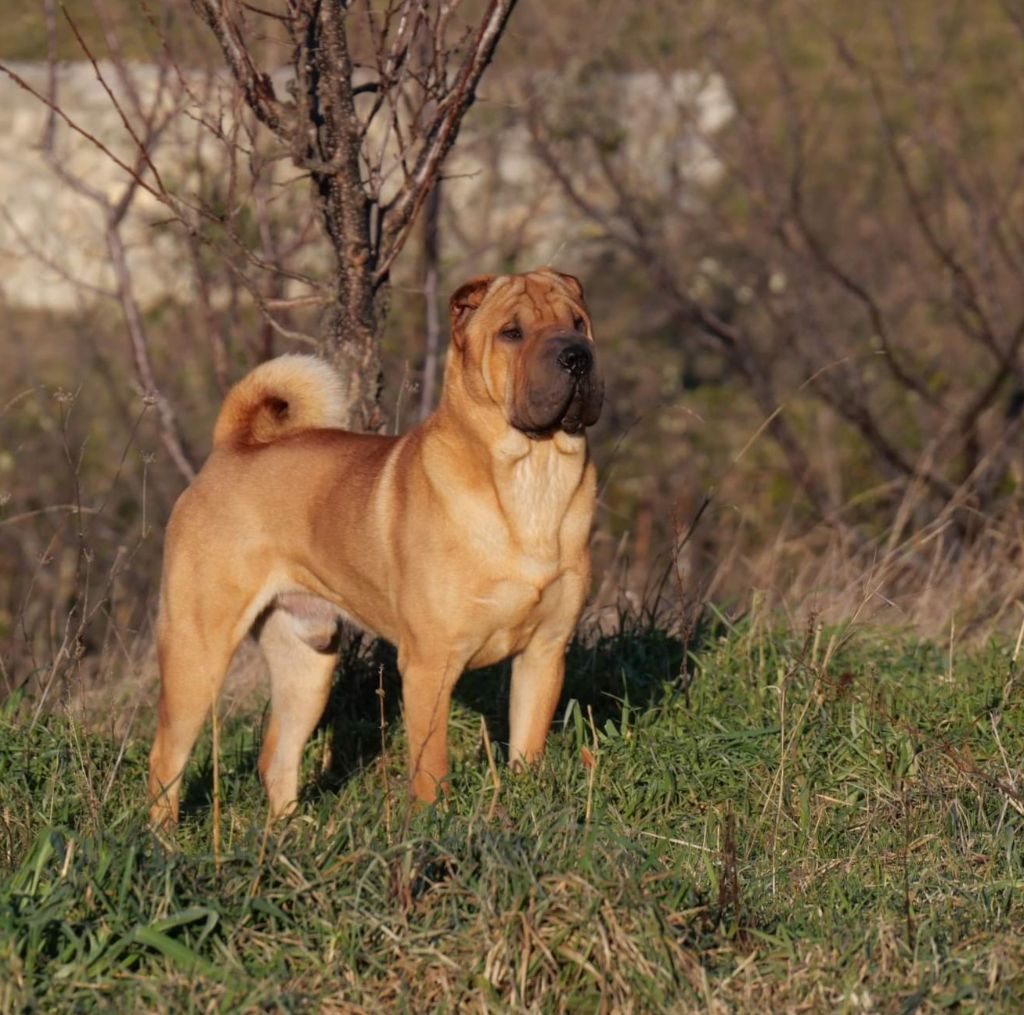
540,482
535,481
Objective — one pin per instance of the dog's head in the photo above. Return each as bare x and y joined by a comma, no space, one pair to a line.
524,344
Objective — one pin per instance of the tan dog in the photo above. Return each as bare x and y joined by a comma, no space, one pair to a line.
463,542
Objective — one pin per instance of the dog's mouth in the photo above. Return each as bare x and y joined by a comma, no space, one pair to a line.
579,408
572,418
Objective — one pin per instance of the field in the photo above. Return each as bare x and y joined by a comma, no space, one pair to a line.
798,227
823,821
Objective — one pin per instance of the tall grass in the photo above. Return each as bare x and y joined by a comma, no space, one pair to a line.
808,822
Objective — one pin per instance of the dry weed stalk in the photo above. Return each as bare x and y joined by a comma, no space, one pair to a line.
492,768
385,761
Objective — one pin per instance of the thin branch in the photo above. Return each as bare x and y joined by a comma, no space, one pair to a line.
255,83
92,139
142,147
170,432
441,134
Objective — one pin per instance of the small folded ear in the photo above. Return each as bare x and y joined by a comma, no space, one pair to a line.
466,299
571,281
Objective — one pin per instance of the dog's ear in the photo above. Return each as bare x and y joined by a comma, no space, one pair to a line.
466,299
571,281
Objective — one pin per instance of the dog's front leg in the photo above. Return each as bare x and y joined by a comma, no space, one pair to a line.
537,676
426,698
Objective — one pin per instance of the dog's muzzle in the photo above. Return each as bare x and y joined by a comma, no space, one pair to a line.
563,389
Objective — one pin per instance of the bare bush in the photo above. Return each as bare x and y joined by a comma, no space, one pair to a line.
853,267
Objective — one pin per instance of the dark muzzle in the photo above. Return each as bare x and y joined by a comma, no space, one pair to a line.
564,390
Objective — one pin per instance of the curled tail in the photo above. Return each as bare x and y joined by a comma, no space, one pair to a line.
278,398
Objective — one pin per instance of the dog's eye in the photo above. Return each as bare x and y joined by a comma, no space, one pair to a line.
512,333
580,325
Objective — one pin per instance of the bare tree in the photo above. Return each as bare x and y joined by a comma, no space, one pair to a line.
152,115
377,99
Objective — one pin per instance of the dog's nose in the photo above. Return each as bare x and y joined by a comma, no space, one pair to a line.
576,359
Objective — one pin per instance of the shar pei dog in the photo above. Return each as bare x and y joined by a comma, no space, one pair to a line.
463,542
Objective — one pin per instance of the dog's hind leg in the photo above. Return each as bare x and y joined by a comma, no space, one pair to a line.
194,658
301,662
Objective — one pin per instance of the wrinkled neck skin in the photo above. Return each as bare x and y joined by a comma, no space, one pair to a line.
531,478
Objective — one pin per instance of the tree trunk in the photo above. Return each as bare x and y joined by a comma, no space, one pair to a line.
431,264
348,337
348,331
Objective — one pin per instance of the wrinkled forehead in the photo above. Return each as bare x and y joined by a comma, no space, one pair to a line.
535,299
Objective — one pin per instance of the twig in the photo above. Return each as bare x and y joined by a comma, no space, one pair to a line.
495,779
385,760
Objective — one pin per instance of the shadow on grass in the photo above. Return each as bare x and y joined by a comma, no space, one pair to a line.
605,673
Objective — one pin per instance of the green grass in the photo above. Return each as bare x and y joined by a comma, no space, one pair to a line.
800,828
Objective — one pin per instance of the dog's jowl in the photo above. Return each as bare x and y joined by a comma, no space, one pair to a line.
463,542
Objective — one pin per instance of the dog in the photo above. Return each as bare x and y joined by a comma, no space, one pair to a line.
463,542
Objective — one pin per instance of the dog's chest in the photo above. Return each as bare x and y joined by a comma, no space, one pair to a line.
535,552
510,609
536,494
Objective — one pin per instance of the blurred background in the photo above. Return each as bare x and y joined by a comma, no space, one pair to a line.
799,225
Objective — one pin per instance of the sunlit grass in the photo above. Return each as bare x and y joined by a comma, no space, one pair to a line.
795,828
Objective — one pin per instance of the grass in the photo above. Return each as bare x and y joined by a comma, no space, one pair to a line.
806,823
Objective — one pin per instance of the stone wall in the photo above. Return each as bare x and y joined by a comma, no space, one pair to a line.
52,236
